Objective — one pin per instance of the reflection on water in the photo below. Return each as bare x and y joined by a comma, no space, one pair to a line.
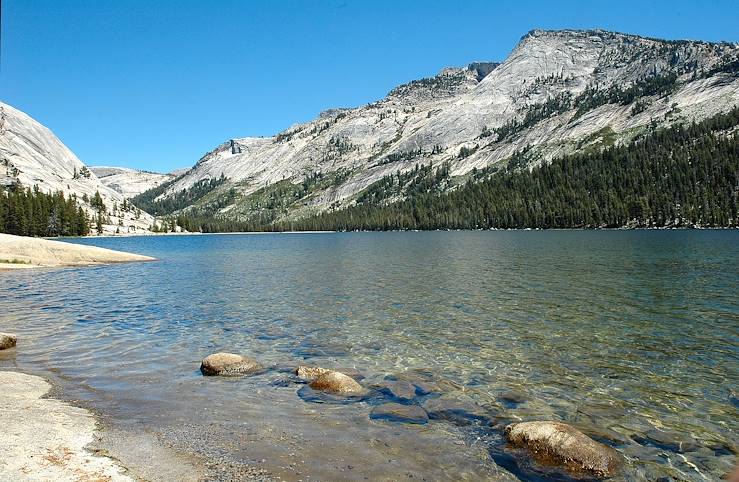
631,336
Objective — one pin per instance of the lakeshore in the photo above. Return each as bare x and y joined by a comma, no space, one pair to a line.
47,439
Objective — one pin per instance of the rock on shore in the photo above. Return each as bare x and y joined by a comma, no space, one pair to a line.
7,340
45,439
555,442
229,364
25,252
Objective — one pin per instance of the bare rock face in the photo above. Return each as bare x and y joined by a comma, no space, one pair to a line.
229,364
561,444
336,382
7,340
397,412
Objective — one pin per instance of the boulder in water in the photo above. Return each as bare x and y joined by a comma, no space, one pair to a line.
561,444
310,373
7,340
336,382
229,364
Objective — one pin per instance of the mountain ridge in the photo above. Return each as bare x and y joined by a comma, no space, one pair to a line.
556,93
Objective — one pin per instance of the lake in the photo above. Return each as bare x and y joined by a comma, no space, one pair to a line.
631,336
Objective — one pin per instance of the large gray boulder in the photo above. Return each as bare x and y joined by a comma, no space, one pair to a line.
556,442
229,364
7,340
338,383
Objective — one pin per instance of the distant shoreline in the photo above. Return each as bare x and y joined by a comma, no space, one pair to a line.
712,228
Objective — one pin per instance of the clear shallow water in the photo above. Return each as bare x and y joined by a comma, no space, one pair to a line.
631,336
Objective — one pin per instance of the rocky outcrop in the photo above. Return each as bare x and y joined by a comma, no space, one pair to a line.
7,340
33,252
398,412
337,383
229,364
129,182
562,444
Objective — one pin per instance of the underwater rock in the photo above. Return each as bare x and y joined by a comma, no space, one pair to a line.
513,397
672,441
229,364
7,340
397,412
402,390
562,444
336,382
458,409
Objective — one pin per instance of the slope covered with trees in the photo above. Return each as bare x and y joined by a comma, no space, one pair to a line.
685,175
30,212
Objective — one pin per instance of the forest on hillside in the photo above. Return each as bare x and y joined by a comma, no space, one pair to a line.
680,176
30,212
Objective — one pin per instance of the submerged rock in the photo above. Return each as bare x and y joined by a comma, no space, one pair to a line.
673,441
425,380
229,364
402,390
336,382
7,340
513,397
397,412
562,444
458,409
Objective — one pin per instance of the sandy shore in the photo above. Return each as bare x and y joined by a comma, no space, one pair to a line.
24,252
46,439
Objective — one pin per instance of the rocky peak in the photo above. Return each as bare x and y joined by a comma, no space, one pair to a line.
481,69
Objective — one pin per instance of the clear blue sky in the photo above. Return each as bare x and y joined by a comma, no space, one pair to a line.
155,84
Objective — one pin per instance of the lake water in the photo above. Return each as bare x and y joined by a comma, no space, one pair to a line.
633,337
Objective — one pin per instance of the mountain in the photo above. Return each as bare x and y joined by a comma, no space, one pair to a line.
558,93
130,182
31,155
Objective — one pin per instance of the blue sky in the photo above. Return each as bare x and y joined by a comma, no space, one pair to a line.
154,85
